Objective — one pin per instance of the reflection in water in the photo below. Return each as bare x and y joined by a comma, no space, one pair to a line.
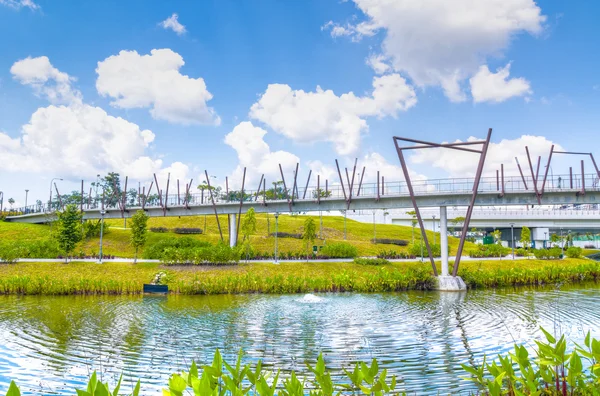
51,344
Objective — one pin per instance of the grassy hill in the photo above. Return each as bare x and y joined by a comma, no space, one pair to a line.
116,240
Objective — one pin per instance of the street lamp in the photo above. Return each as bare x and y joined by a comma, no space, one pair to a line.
50,201
276,232
102,213
512,238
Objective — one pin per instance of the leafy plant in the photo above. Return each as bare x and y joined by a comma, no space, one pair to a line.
386,241
187,230
159,229
574,252
310,234
69,229
371,261
139,231
248,228
526,237
339,250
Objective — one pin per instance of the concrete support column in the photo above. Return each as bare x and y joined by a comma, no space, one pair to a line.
444,239
232,230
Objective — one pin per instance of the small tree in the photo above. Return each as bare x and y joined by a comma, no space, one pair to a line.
555,239
526,237
248,228
68,232
310,234
11,202
497,236
139,231
413,214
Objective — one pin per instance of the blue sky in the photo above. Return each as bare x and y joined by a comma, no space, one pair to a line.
238,48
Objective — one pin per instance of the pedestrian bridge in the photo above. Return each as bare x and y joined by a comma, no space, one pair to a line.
456,192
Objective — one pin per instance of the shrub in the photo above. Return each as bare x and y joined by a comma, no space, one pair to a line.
590,246
393,255
574,252
371,261
385,241
155,251
415,249
521,252
286,235
10,253
339,250
91,229
219,254
547,254
161,230
493,250
182,230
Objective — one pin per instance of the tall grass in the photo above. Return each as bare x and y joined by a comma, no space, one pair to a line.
293,277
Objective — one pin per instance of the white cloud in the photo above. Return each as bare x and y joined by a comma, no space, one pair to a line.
18,4
173,23
497,87
140,81
323,116
255,154
46,80
460,163
75,140
378,64
440,42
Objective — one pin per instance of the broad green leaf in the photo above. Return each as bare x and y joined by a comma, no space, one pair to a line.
549,336
13,389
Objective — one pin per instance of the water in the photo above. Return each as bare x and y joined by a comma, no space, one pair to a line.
49,345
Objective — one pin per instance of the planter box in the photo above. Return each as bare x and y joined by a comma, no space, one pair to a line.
156,289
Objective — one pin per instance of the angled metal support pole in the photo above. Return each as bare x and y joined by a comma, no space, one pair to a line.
535,187
287,196
502,178
341,180
259,187
212,196
264,192
294,186
360,182
319,189
307,181
237,229
463,236
187,193
521,172
351,189
124,205
159,192
547,168
582,192
167,195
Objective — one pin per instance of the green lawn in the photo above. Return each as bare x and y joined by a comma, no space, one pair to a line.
116,240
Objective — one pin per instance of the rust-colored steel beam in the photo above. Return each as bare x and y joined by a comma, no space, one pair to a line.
167,195
378,197
456,146
307,181
547,168
294,186
414,202
537,193
285,190
502,178
537,170
382,185
360,182
159,192
237,230
212,196
341,180
521,172
265,192
571,176
124,206
352,184
187,193
318,189
259,186
497,180
463,236
595,166
582,179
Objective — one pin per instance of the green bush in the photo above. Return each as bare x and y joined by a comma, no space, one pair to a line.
156,250
574,252
339,250
182,230
415,249
161,230
521,252
548,254
46,248
386,241
286,235
493,250
10,253
219,254
91,229
370,261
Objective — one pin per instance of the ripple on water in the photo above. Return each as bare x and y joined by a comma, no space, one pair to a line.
49,345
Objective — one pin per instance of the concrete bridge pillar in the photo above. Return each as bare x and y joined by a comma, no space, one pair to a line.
446,282
444,239
232,230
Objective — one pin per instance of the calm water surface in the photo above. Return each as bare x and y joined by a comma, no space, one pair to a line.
49,345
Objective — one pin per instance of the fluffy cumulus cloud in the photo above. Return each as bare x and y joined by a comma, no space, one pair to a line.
46,80
459,163
172,23
154,81
73,139
321,115
497,87
18,4
255,154
440,42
